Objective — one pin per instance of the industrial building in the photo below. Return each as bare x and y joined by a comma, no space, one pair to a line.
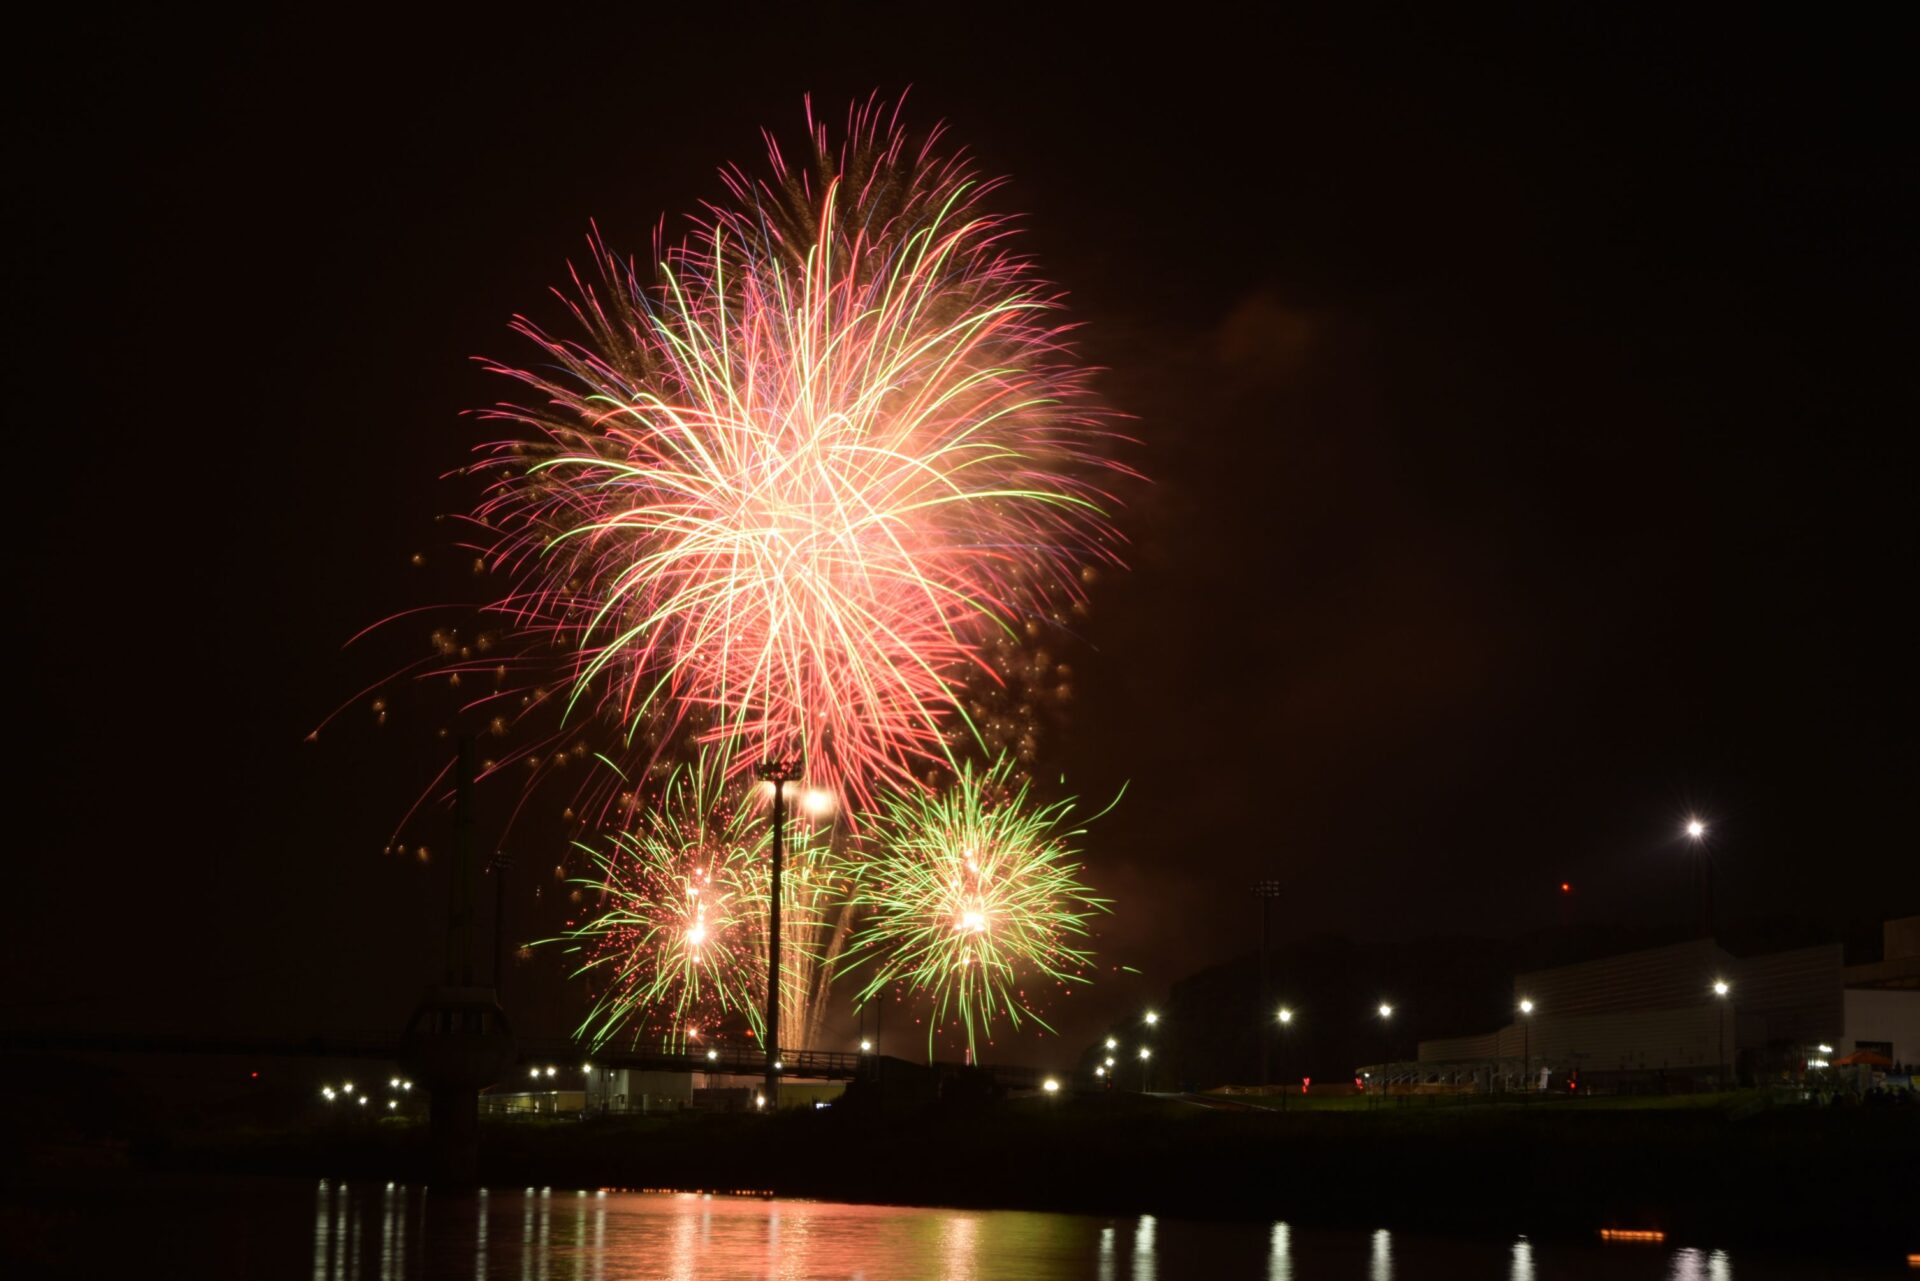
1692,1014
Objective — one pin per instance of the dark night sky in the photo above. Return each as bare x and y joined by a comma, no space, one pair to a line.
1526,404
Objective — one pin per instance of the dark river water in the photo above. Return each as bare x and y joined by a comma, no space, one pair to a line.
372,1231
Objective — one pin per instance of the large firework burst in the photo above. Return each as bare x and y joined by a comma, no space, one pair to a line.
678,945
782,490
973,895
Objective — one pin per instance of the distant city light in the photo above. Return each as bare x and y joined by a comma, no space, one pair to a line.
712,1055
866,1047
1286,1015
1695,829
393,1083
1145,1053
1526,1007
1386,1011
1112,1044
1050,1085
1720,987
1152,1018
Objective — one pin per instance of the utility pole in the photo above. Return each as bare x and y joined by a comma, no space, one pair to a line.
1266,891
499,867
779,773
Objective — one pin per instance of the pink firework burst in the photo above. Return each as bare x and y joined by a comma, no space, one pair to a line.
781,490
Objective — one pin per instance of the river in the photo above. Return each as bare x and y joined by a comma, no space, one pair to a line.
331,1230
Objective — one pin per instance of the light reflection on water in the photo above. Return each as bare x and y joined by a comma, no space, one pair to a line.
371,1232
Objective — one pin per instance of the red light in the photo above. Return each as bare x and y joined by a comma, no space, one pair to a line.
1566,887
1305,1081
254,1075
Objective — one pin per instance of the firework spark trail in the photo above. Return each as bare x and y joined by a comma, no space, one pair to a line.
972,894
678,947
787,491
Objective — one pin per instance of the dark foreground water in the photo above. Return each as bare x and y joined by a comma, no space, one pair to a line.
339,1231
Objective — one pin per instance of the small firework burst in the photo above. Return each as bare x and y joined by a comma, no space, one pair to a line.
973,894
679,945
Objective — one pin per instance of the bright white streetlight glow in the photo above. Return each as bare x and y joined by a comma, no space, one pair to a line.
362,1100
1720,987
1099,1071
1526,1007
1109,1060
1286,1015
1386,1011
1695,829
712,1055
866,1047
393,1083
778,1065
347,1088
1152,1018
1145,1053
1112,1044
393,1103
1826,1049
552,1070
1050,1085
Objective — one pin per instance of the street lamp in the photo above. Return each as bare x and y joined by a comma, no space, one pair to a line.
778,773
1266,891
1286,1021
1697,834
1152,1018
1720,989
1112,1044
1386,1042
1526,1042
1145,1055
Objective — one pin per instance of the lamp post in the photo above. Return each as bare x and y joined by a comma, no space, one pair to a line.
1526,1042
1720,989
1146,1057
1286,1021
1386,1043
1266,891
1697,834
779,774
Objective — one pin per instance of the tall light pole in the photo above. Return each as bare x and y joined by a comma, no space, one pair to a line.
779,774
1720,989
1526,1042
1146,1057
1266,891
1386,1042
1286,1021
1697,835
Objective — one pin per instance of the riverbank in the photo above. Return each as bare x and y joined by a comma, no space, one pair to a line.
1735,1172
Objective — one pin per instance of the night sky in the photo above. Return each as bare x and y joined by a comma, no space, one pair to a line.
1527,408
